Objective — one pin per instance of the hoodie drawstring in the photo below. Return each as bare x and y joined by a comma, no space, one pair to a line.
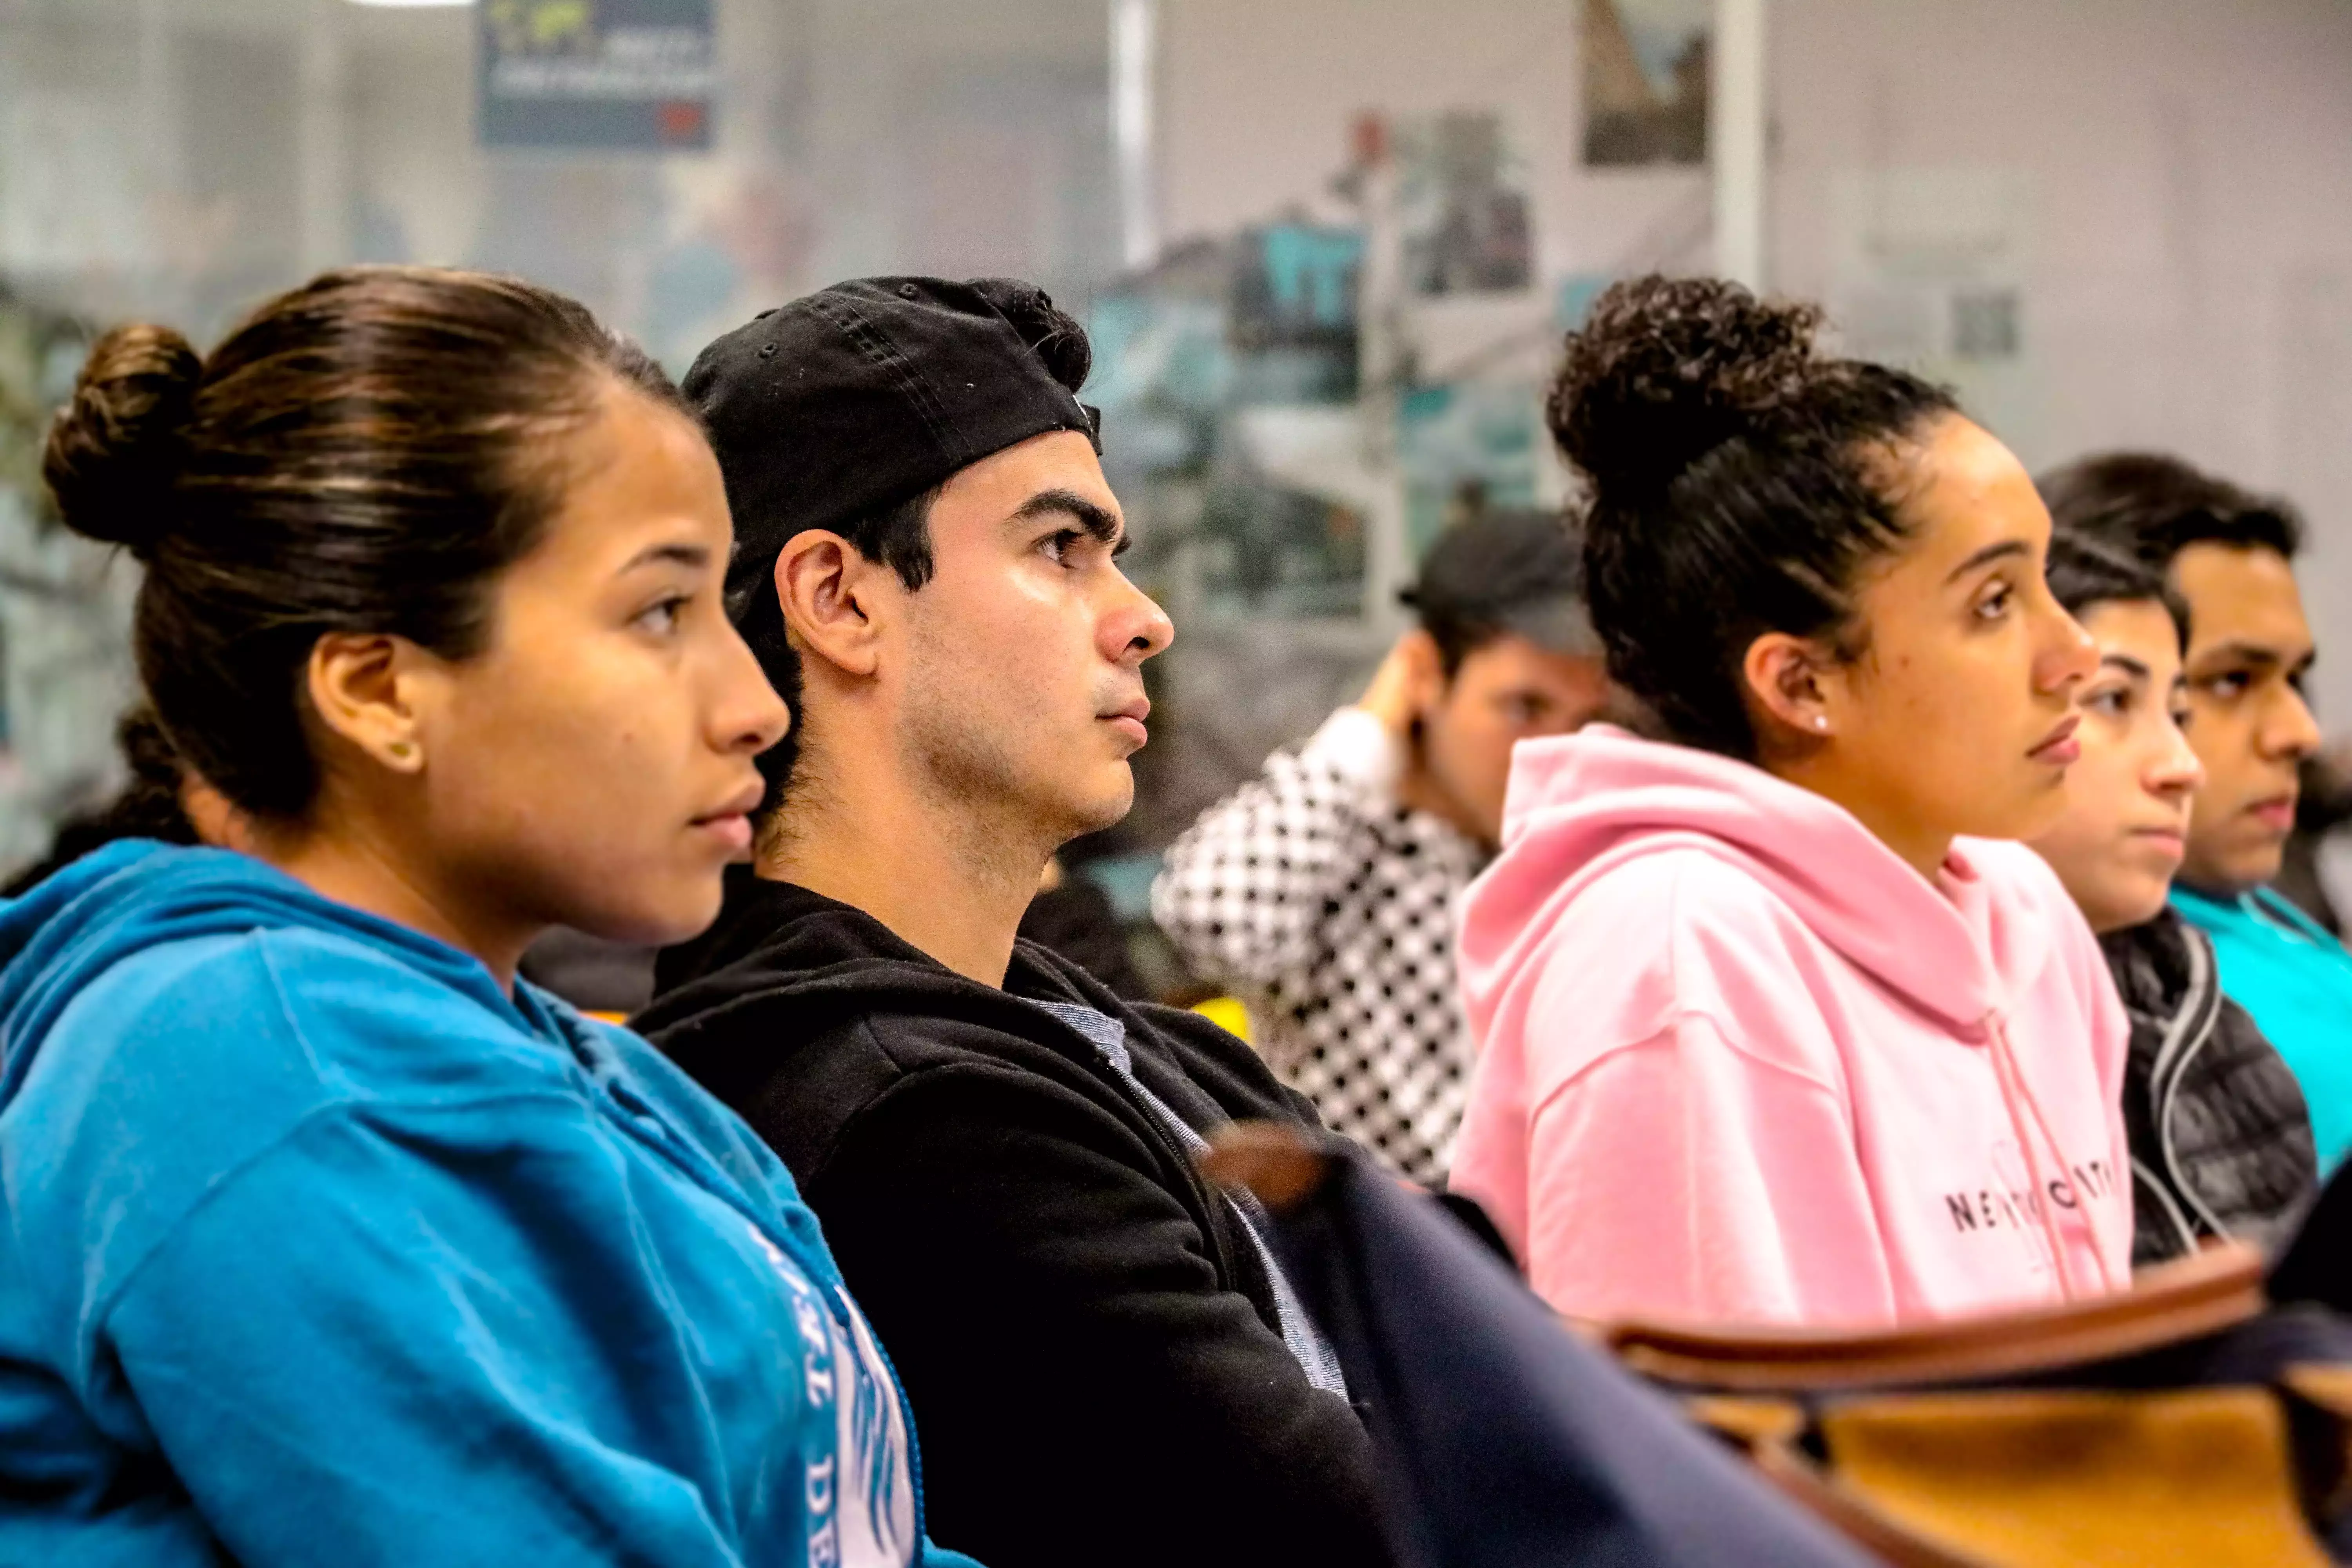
2014,1089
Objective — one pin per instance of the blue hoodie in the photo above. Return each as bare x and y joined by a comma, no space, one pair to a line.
2295,979
319,1247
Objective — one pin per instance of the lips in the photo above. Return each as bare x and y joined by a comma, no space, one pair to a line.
2059,747
2278,813
731,823
1129,719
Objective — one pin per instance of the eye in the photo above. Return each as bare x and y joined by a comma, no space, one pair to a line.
1058,544
1525,708
1995,601
2115,701
663,616
2228,686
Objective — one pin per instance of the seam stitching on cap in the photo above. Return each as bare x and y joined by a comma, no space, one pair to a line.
870,341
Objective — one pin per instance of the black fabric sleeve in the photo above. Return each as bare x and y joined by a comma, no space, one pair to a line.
1084,1392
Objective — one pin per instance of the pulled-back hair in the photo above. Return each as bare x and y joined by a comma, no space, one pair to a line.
365,454
2085,572
1740,481
2153,507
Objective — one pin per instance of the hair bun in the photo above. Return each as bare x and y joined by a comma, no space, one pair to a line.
115,450
1052,333
1664,370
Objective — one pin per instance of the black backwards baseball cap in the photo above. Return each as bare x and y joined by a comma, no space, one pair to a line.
860,397
1510,569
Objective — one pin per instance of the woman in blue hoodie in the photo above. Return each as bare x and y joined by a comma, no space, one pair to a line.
325,1239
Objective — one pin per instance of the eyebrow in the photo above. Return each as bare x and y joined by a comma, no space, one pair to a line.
1989,554
671,555
1104,527
2136,668
2261,656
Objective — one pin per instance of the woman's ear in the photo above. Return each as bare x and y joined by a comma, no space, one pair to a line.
1787,683
368,690
830,593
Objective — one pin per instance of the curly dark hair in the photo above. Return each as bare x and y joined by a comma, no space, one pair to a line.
1740,483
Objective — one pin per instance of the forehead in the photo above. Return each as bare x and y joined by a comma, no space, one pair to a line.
978,497
2137,628
2243,594
1510,659
1966,491
634,471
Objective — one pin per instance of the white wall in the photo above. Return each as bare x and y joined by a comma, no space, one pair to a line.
1257,97
2181,170
2186,219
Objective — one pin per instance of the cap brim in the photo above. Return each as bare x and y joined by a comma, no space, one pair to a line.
1560,625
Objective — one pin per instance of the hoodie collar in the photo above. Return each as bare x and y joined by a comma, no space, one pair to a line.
1584,803
137,894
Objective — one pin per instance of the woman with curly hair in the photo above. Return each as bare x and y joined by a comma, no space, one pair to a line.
1771,1028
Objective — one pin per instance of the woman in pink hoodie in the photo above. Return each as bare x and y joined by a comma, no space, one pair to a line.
1770,1031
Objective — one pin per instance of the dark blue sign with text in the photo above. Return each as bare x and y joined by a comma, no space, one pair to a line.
613,74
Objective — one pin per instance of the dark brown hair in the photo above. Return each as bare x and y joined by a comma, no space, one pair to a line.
2153,507
364,454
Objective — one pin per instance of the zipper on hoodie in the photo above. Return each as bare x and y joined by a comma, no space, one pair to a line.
2193,1028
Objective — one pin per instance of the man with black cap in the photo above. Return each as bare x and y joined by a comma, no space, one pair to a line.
1323,891
1104,1361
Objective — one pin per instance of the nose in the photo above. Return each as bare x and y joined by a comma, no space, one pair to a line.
2289,731
747,717
2173,770
2067,657
1134,627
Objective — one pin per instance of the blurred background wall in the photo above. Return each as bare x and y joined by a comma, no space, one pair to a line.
1327,247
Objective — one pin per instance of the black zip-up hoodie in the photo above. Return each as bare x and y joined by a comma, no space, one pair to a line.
2221,1138
1087,1338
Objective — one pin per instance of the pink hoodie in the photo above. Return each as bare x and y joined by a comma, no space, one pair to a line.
1738,1063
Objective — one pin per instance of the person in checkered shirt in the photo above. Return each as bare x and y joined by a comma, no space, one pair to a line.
1322,892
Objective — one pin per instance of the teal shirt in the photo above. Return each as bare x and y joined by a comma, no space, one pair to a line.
318,1246
2296,980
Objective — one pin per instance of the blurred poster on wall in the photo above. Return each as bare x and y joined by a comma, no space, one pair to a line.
1645,68
1463,197
1927,269
597,74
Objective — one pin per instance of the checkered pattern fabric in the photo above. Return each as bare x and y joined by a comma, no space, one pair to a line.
1330,910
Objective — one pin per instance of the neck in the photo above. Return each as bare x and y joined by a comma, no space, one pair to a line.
1923,849
946,878
360,869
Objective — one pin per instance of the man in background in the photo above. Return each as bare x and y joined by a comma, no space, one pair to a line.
1322,892
2230,556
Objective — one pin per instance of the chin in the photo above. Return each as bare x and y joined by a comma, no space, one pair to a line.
671,915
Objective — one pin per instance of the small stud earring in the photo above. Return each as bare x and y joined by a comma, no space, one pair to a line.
1821,721
401,749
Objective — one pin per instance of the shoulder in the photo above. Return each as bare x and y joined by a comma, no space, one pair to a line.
183,1067
1677,936
1679,906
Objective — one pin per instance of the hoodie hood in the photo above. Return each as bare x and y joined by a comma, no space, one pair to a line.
1582,806
137,894
1737,1060
778,941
